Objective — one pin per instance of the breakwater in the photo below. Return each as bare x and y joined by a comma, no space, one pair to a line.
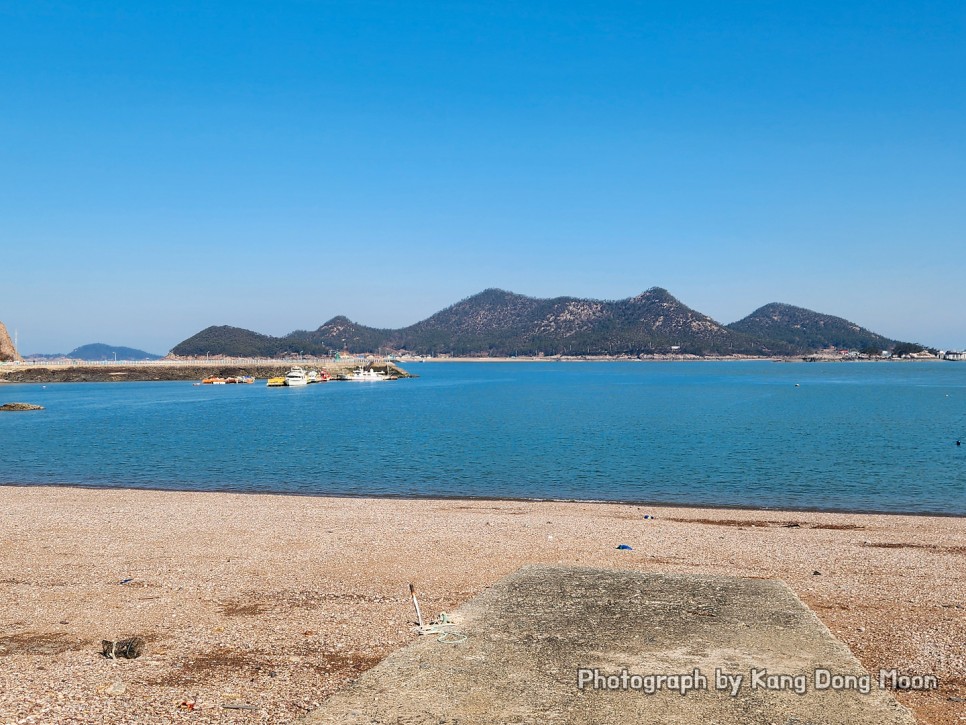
85,372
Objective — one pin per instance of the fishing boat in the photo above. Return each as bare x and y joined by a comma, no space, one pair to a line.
295,377
367,375
277,382
214,381
318,376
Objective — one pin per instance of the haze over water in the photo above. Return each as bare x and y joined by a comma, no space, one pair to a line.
837,436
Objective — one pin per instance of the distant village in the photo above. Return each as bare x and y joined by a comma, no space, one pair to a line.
832,354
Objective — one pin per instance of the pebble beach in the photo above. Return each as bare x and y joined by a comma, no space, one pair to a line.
256,607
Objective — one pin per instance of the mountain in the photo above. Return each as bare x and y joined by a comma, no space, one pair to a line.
100,351
804,330
493,322
8,352
499,323
496,322
657,321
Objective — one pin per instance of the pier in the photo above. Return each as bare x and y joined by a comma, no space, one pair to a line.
581,646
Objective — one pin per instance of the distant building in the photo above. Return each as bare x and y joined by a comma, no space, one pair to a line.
954,355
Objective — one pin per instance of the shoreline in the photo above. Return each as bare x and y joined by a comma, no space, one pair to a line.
811,358
278,601
188,369
506,499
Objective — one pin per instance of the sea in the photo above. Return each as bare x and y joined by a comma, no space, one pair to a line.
856,436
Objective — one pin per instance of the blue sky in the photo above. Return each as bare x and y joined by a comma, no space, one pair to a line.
168,166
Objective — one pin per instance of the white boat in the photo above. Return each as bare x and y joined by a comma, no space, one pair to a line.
366,376
296,376
317,376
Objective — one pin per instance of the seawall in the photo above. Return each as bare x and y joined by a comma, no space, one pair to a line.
91,372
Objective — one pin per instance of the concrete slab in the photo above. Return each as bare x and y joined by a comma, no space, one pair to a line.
529,637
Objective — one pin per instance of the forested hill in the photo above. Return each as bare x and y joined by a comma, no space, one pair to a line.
804,330
100,351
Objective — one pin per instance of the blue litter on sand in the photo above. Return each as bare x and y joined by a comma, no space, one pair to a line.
625,547
125,581
648,516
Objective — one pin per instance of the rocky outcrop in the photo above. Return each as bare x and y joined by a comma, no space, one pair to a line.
8,352
20,406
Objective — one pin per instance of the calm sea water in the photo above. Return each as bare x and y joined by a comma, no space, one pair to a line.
855,436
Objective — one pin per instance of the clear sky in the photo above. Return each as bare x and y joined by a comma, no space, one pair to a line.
165,166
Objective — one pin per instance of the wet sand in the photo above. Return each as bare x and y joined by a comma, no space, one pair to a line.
255,608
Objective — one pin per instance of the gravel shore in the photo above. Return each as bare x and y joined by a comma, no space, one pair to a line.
255,608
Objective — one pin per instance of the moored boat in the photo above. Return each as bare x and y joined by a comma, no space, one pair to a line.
296,377
277,382
367,375
233,380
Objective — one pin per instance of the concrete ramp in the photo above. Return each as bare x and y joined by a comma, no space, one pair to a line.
581,645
